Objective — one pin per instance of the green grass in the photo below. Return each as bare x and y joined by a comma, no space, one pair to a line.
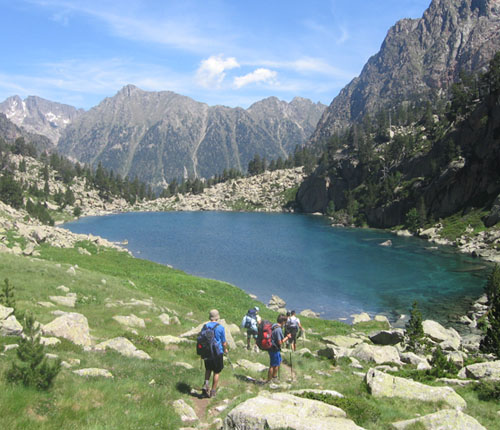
456,225
130,401
289,195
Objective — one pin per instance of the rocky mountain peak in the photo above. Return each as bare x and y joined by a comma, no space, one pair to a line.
418,59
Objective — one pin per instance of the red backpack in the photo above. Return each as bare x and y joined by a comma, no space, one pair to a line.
264,335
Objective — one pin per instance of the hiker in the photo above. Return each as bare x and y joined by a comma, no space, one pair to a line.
292,327
214,360
251,322
277,339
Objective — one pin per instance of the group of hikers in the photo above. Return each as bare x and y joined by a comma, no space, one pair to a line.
212,346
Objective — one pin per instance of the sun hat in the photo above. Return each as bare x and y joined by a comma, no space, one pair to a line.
214,315
257,308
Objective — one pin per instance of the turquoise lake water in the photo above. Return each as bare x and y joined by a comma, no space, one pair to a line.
301,258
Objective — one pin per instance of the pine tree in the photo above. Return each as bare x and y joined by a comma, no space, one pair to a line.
414,328
491,341
7,295
33,370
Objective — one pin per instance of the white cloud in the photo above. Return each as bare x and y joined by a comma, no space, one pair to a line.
258,75
212,70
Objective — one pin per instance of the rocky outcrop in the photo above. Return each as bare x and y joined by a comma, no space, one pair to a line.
487,370
383,385
449,419
71,326
124,347
387,337
280,410
376,354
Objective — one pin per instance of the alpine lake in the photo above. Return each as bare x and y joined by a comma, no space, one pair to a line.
303,259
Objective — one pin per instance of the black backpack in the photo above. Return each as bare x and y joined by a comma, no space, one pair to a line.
206,345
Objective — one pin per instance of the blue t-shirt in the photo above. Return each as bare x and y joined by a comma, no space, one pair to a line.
276,337
220,334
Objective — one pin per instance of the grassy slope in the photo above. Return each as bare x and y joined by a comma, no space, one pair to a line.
129,401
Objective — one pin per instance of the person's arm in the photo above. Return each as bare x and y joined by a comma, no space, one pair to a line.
224,345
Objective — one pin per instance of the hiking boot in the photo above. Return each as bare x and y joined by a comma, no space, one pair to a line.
205,391
213,393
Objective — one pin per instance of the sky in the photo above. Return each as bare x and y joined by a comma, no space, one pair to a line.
221,52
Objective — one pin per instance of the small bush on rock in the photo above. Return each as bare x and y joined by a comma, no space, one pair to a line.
34,369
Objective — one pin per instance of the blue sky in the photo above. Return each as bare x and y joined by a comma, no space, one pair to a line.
229,52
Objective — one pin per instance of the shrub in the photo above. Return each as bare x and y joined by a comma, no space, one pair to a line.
34,369
441,366
488,390
7,295
491,341
414,328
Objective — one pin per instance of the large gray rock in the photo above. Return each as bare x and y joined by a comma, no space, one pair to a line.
343,341
447,419
416,360
186,412
487,370
276,303
381,384
71,326
377,354
69,301
388,337
10,326
123,346
281,410
362,317
438,333
334,352
130,321
5,312
93,372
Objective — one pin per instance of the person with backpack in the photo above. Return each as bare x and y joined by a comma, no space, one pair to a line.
212,346
292,327
277,339
251,322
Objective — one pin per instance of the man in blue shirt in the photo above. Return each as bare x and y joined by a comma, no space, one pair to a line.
277,340
216,364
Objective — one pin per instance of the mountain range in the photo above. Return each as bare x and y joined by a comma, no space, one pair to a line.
158,136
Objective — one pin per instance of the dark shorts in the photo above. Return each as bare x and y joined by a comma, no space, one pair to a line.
251,333
216,365
275,357
293,332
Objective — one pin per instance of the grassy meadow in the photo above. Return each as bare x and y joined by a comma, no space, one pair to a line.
104,281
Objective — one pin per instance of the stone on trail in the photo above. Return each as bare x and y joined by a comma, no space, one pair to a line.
381,384
71,326
281,410
123,346
447,419
186,412
93,372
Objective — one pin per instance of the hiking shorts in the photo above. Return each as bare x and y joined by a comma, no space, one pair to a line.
216,365
251,333
293,331
275,358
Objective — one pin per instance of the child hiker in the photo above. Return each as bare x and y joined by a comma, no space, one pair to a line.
277,339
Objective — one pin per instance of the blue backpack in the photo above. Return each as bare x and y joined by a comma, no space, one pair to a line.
206,345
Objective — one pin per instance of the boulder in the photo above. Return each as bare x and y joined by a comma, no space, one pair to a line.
382,318
251,366
164,318
69,301
93,372
10,326
71,326
438,333
309,313
5,312
416,360
381,384
334,352
388,337
186,412
280,410
276,303
123,346
343,341
377,354
449,419
362,317
130,321
487,370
